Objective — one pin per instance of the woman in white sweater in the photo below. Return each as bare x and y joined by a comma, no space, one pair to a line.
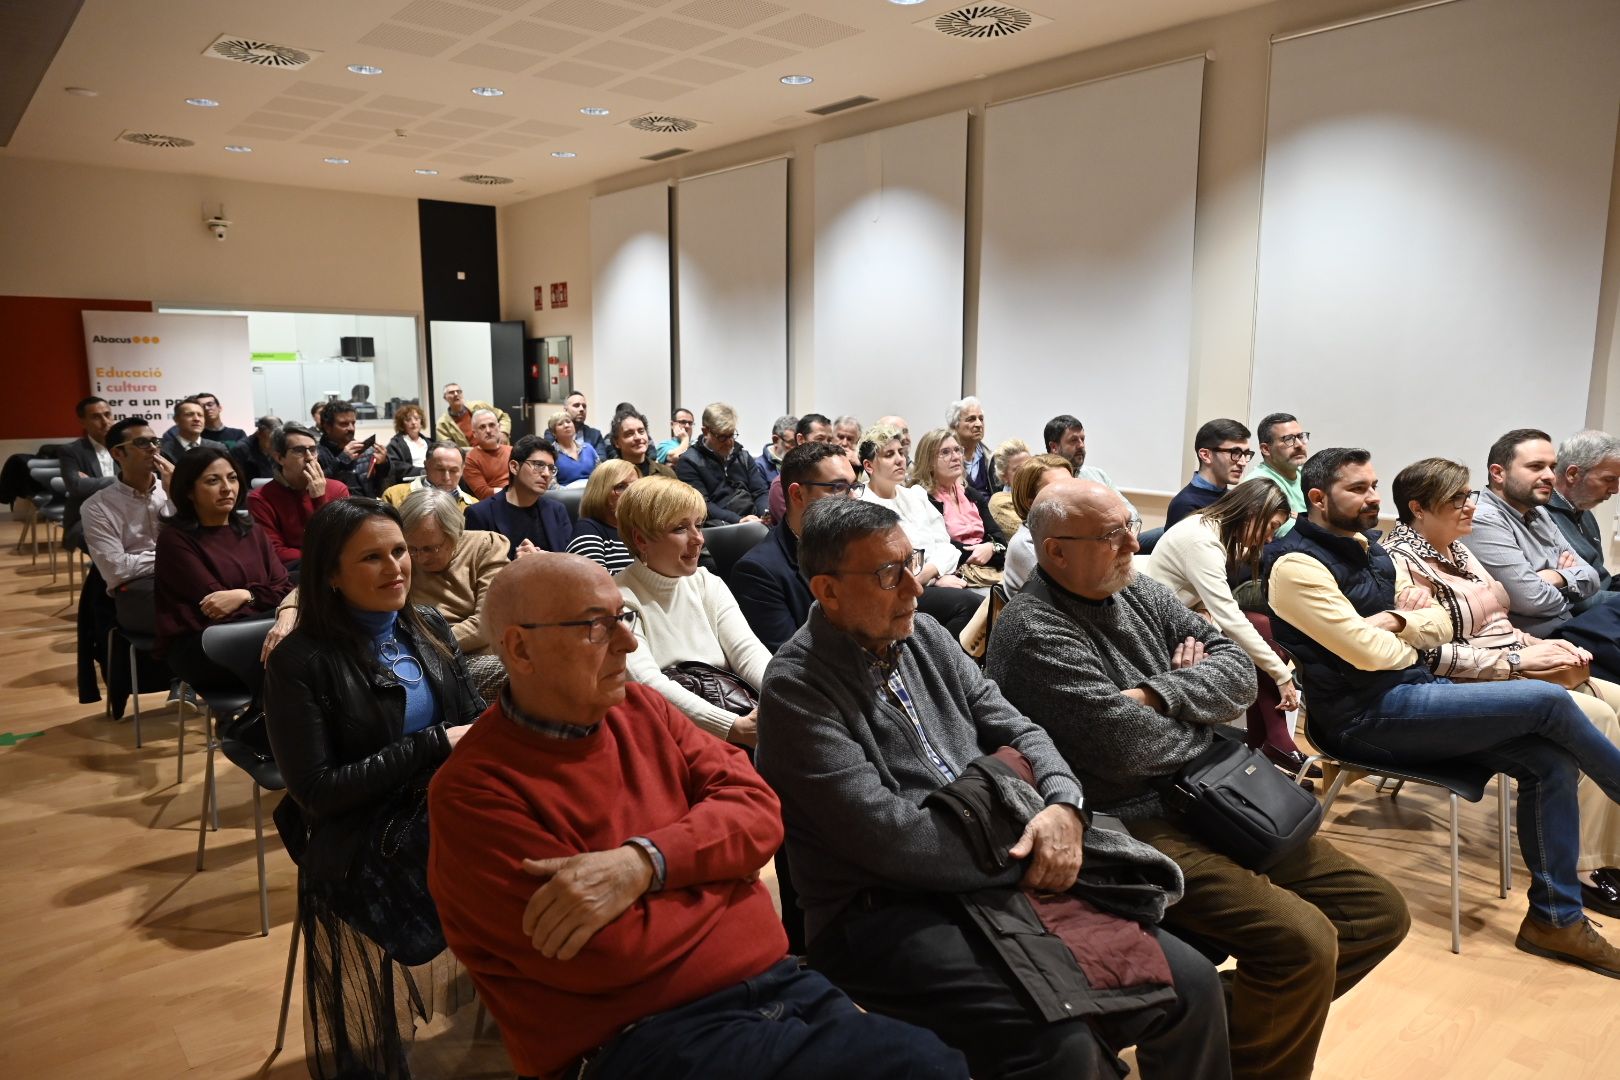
683,612
1200,558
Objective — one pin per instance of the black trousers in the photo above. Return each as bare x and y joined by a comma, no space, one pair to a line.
951,608
186,659
926,964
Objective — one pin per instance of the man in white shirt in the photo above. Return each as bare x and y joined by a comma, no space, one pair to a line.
1065,436
121,521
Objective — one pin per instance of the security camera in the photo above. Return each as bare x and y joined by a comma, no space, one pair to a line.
218,226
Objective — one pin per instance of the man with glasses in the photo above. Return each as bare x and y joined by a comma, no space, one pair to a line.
520,513
213,423
1130,684
121,521
441,469
680,438
284,506
870,718
1284,446
1222,448
723,472
596,864
1586,475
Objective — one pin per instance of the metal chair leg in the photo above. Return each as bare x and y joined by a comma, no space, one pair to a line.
180,729
264,888
202,818
1456,882
1396,790
135,691
286,986
1504,829
1333,790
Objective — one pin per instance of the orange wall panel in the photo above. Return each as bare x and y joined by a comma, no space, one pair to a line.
43,362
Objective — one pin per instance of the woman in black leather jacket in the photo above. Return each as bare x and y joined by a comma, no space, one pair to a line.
363,701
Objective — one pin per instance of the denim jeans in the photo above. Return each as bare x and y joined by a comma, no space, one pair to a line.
1533,731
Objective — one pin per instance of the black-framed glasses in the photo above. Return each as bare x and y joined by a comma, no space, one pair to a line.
1238,455
1115,537
601,627
837,487
1466,500
1290,440
302,451
543,468
888,575
142,442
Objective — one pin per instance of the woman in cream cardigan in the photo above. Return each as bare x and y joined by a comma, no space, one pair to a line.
683,612
1200,558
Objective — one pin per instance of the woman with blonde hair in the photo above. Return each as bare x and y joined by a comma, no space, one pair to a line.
1003,467
575,459
596,533
1032,475
938,470
695,646
408,449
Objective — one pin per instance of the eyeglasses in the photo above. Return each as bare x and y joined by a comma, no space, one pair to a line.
1465,500
1290,440
543,468
681,423
601,627
950,451
143,442
1116,537
888,575
427,551
301,451
1237,454
837,487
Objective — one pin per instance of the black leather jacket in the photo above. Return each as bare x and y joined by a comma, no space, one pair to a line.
338,735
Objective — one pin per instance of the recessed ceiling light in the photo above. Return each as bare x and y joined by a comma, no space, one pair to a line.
594,110
240,149
563,153
202,102
488,91
427,172
365,69
81,91
797,80
907,3
336,160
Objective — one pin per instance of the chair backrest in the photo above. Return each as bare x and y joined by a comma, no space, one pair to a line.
570,498
729,543
258,482
235,646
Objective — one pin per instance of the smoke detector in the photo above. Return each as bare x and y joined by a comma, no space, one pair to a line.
244,50
162,142
979,22
485,179
663,125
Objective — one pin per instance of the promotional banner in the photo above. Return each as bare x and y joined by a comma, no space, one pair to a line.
143,363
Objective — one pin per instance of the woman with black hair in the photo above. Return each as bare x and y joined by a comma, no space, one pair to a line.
214,565
363,701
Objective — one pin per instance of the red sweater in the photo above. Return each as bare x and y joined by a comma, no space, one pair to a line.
509,793
191,564
284,513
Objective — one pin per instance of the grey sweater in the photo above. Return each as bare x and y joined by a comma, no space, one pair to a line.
852,774
1064,662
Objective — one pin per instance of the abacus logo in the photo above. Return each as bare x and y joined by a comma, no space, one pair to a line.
142,339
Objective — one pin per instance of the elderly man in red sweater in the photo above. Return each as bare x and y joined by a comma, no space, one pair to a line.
649,949
284,506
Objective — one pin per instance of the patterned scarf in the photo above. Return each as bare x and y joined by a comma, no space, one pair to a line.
1455,559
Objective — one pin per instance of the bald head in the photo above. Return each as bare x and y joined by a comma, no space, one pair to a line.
543,587
1083,537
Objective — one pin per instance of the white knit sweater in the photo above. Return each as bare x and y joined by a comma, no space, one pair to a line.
689,618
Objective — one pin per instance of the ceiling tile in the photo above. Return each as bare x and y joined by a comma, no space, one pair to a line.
250,131
420,141
482,118
395,103
460,159
391,150
586,14
489,148
578,74
696,71
652,89
809,31
622,55
673,34
378,119
277,120
407,40
504,5
528,35
508,138
344,95
454,131
335,142
354,131
543,127
737,14
496,58
750,52
443,15
299,107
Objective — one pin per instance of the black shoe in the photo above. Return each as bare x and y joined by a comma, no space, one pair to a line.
1290,762
1605,895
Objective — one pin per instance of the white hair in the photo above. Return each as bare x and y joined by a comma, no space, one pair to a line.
954,417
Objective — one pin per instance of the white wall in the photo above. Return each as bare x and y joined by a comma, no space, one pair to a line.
462,353
631,314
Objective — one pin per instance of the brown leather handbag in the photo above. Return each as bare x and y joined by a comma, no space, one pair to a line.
719,687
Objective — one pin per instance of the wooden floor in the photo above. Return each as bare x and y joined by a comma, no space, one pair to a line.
119,960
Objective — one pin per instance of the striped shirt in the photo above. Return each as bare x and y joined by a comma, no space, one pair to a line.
600,543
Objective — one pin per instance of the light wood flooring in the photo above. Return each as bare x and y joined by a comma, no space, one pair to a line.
119,960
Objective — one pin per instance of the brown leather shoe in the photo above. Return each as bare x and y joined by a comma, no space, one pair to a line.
1578,943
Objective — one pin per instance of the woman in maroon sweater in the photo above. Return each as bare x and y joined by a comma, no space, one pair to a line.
214,565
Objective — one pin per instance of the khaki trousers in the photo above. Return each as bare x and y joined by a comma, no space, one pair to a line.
1599,699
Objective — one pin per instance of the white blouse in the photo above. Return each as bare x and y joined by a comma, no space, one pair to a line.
924,525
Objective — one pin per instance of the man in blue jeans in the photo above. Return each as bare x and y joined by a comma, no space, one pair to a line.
1343,609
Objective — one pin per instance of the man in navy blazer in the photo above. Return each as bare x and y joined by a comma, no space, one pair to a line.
87,464
519,512
766,582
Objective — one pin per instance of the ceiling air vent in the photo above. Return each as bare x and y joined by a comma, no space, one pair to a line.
663,125
839,106
162,142
665,155
484,179
241,50
983,21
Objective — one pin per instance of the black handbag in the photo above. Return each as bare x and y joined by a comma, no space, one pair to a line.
386,896
1242,805
717,686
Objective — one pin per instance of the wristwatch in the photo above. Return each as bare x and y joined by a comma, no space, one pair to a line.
1513,664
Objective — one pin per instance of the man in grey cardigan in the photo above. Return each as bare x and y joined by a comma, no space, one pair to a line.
1130,684
867,711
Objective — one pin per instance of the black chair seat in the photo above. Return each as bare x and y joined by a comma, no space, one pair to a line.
224,702
250,760
729,543
570,497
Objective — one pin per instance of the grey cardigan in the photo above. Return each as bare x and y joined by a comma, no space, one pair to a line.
852,775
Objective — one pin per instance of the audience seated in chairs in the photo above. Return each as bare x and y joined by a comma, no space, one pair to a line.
965,422
187,432
214,423
1436,510
488,461
872,729
629,935
213,565
363,701
630,442
722,471
946,596
596,533
255,455
284,506
442,469
87,464
1003,466
689,629
1202,559
809,428
455,427
529,523
1030,479
937,471
1586,475
1356,627
1129,683
342,457
770,458
669,451
575,458
847,432
577,408
121,522
1066,435
1222,448
1284,446
408,449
